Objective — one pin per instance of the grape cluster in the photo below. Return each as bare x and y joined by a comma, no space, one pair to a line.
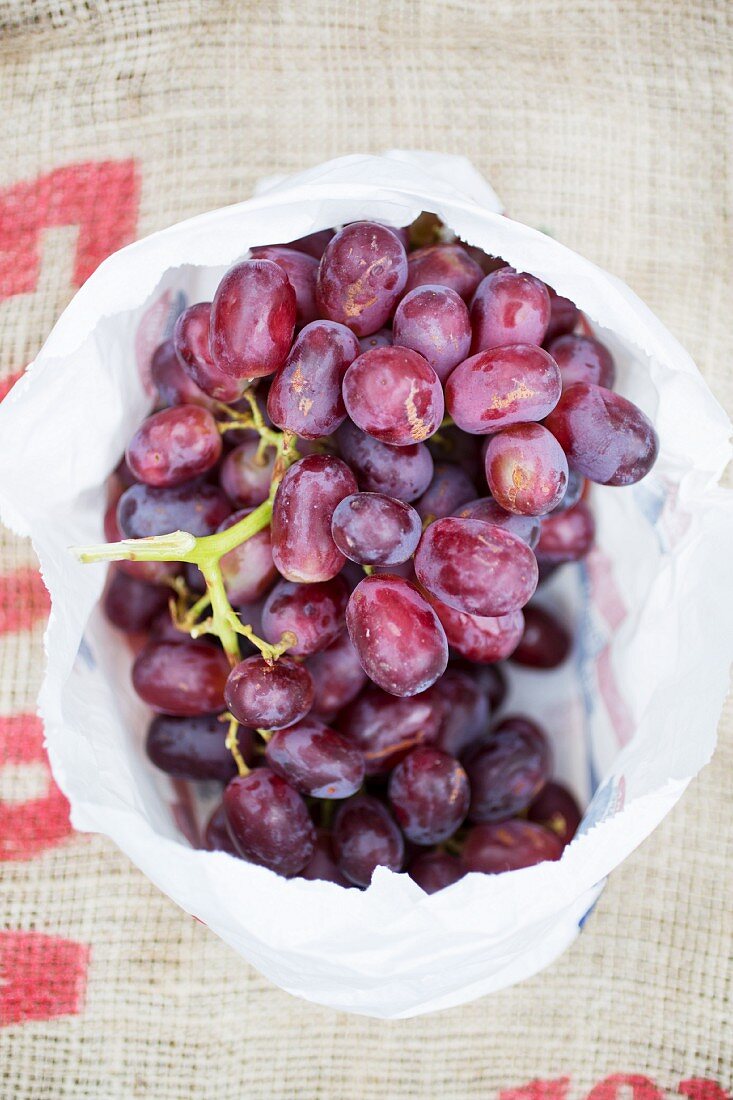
368,451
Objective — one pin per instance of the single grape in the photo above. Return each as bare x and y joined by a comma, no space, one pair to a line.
386,729
174,445
480,638
433,871
365,837
509,308
216,834
450,488
361,276
174,385
305,394
465,711
434,321
131,604
301,270
508,846
269,822
194,507
401,472
429,795
194,748
444,265
184,680
313,612
374,529
191,341
502,386
337,676
398,636
486,509
313,244
252,319
382,338
316,760
476,567
322,864
526,469
564,316
509,770
606,438
244,478
492,681
269,695
456,448
248,570
566,536
545,642
302,545
573,492
394,395
557,809
583,359
152,572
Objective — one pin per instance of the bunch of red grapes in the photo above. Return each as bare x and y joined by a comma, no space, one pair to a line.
381,441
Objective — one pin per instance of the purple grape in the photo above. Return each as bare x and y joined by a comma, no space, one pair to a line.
508,771
583,359
450,488
269,822
492,681
322,864
305,394
508,846
374,529
509,308
245,480
174,385
434,321
191,341
401,472
456,448
362,273
302,545
429,794
564,316
337,676
194,507
557,810
526,469
252,319
573,492
386,729
380,339
444,265
194,748
486,509
433,871
313,612
216,834
545,642
174,445
248,570
394,395
269,695
398,636
316,760
566,536
301,270
365,837
184,680
131,604
479,638
502,386
465,711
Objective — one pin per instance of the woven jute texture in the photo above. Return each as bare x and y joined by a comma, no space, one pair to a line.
609,123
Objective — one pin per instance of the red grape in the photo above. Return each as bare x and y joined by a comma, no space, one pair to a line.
302,545
394,395
583,359
526,528
429,794
216,834
252,319
509,770
606,438
313,612
526,469
433,871
248,570
475,567
492,681
313,244
301,270
564,316
365,837
566,536
382,338
545,642
131,604
434,321
174,385
269,822
556,808
401,472
337,676
386,728
374,529
444,265
450,488
194,748
316,760
194,507
322,864
361,276
191,341
509,308
508,846
502,386
305,394
465,711
269,695
479,638
398,636
174,445
181,679
245,480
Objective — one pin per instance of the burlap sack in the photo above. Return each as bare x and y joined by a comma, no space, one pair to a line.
606,122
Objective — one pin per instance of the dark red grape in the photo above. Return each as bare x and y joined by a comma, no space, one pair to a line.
557,809
194,748
394,395
248,570
216,834
475,567
465,711
374,529
244,479
492,681
194,507
509,770
398,636
583,359
131,604
313,612
386,728
252,319
564,316
337,676
322,864
313,244
508,846
480,638
434,321
191,341
362,273
429,794
382,338
302,545
606,438
545,642
269,821
433,871
301,270
174,385
444,265
526,469
181,679
365,837
566,536
269,695
457,448
316,760
502,386
174,445
509,308
450,488
401,472
485,260
526,528
573,492
305,394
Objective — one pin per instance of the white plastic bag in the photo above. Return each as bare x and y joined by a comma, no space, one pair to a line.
632,719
